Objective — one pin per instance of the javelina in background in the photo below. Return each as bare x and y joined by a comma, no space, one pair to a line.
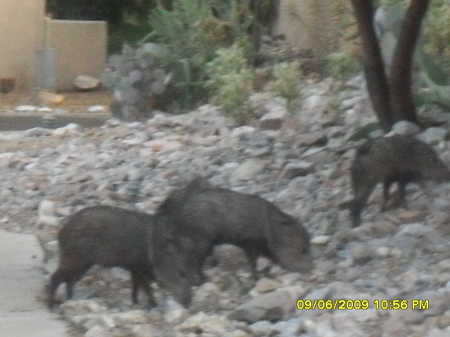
210,215
115,237
399,158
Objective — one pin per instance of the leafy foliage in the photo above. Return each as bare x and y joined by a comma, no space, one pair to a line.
286,77
230,81
436,35
138,80
342,64
192,31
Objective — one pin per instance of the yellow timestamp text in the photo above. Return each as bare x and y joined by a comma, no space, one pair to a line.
382,304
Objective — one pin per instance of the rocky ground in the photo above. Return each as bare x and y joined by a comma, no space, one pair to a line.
366,279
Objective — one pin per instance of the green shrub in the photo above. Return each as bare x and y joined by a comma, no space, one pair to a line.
191,33
230,81
342,65
286,76
436,35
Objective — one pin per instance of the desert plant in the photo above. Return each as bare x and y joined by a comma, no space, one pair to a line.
436,35
230,81
137,80
286,77
191,31
342,64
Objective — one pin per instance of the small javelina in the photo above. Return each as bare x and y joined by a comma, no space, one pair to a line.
209,215
116,237
397,159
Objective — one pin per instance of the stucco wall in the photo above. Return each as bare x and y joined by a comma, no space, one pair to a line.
21,27
319,26
80,48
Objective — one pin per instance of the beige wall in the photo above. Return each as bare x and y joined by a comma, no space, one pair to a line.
21,32
314,24
80,48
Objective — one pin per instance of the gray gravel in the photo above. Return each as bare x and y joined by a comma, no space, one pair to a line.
298,161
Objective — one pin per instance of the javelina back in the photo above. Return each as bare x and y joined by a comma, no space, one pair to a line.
399,158
210,215
110,237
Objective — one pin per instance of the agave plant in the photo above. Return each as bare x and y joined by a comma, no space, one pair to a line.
137,79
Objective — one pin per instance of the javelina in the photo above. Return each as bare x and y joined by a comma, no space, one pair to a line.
209,215
110,237
399,158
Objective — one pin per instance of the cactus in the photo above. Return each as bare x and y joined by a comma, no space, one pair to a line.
137,80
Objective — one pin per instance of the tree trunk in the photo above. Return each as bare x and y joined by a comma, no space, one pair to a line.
377,83
401,71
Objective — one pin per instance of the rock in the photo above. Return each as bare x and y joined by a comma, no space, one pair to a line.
68,130
201,322
433,302
46,214
394,326
86,82
443,321
317,138
237,333
383,251
230,257
273,120
383,228
242,132
295,169
405,128
51,248
344,325
98,331
434,332
362,253
321,240
175,312
262,328
272,307
25,108
131,317
433,135
291,327
410,216
73,308
248,169
96,109
265,285
38,132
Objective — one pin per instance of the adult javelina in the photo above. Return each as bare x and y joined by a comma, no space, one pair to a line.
399,158
111,236
210,215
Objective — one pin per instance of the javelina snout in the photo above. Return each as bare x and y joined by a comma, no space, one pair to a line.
211,215
397,159
172,260
111,237
290,244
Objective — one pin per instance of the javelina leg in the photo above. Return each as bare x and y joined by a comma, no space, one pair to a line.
402,192
69,274
362,193
141,279
386,188
252,253
203,250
